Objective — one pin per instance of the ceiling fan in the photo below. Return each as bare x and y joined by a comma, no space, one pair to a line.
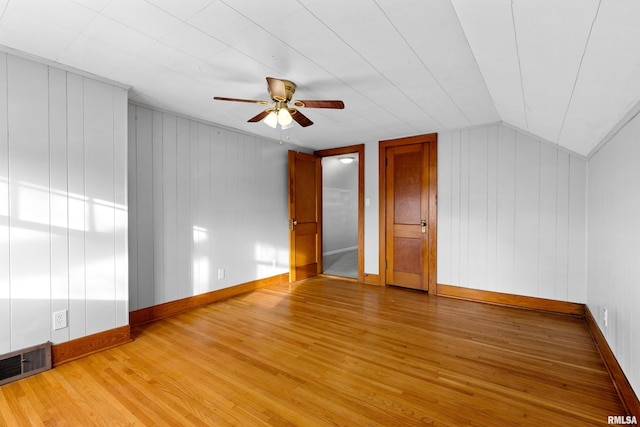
281,92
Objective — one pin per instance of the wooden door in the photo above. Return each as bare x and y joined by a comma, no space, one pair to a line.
409,213
305,195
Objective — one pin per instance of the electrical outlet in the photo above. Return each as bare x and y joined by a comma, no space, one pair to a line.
59,320
605,317
274,264
220,273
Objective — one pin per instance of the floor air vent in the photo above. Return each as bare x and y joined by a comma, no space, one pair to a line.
25,362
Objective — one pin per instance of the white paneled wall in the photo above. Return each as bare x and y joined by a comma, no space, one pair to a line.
614,245
202,199
511,214
63,204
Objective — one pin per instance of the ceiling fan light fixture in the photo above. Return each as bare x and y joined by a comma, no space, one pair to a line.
271,119
284,117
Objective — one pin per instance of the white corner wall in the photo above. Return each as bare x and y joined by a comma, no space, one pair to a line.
202,199
511,214
614,245
63,205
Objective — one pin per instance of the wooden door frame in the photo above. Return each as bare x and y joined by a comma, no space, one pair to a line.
359,150
432,219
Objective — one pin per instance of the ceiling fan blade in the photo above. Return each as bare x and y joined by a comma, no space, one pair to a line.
251,101
260,116
300,118
277,89
319,104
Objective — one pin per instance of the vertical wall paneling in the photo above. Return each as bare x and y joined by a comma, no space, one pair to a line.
169,206
562,227
5,283
183,205
505,210
613,214
371,220
577,230
132,199
223,198
246,227
203,219
76,206
507,205
194,227
478,207
29,245
527,220
144,208
218,219
100,205
58,191
445,216
157,194
492,207
232,189
464,213
62,187
548,221
456,195
120,206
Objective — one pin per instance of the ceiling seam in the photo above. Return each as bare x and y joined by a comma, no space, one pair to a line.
515,37
370,64
422,62
4,10
475,60
575,82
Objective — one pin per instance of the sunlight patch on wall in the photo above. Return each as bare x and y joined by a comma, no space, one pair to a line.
200,234
271,260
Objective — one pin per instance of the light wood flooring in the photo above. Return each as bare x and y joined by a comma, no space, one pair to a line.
331,352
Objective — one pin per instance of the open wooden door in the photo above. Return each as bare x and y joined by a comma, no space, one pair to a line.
305,210
408,210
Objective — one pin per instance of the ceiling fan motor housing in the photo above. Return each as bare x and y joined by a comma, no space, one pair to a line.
289,90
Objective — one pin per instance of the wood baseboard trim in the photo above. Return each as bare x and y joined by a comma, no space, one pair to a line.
371,279
160,311
331,276
619,379
520,301
84,346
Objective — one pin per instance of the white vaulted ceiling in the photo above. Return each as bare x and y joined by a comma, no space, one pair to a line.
564,70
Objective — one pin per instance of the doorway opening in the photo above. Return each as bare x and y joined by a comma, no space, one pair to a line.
340,215
343,211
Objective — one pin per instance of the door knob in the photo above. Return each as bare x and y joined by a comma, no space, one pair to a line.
423,224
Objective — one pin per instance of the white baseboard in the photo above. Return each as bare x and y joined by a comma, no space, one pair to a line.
339,251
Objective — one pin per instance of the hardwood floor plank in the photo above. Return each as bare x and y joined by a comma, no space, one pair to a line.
332,352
